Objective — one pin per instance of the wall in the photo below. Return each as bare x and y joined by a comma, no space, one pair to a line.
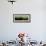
37,27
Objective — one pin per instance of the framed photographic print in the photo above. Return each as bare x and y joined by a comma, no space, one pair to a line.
21,18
